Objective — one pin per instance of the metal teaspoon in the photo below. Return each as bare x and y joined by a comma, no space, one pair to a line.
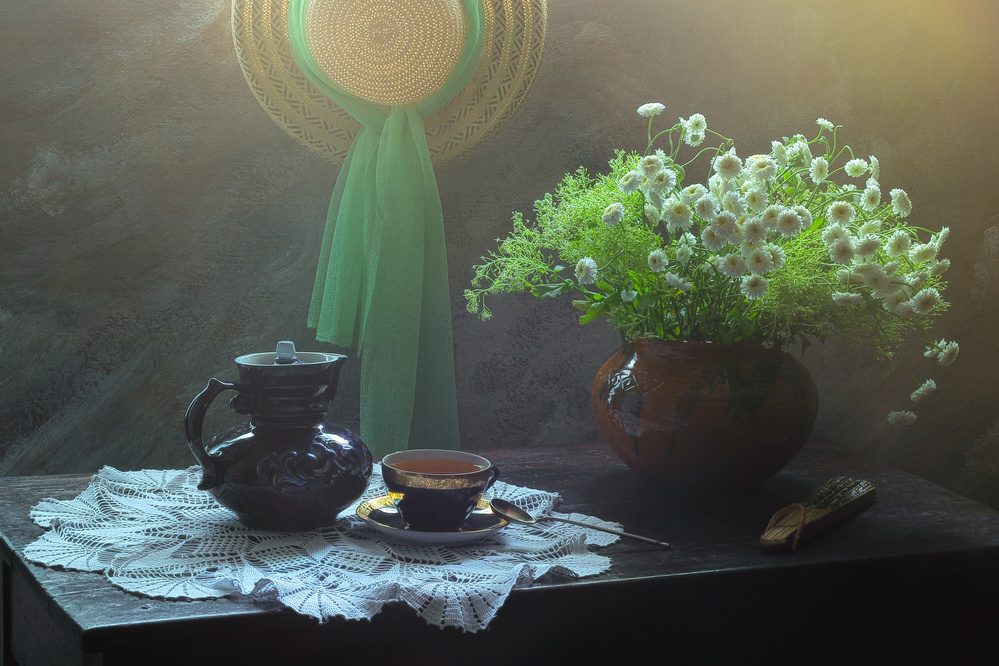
514,513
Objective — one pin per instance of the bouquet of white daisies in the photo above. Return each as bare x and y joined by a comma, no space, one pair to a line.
779,248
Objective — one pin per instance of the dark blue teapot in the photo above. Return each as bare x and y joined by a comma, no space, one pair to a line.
286,468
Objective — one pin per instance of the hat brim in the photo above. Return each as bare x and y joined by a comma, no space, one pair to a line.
511,54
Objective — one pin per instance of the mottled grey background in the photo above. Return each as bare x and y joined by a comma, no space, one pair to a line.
155,223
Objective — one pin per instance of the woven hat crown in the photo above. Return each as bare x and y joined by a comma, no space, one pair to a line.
514,40
392,52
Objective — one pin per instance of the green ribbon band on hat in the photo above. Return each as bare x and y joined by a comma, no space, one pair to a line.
382,284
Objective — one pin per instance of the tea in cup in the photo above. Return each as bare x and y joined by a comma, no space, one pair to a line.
435,490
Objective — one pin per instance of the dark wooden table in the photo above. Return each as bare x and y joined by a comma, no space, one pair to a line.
912,579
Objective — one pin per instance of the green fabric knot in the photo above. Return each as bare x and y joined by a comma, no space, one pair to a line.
381,284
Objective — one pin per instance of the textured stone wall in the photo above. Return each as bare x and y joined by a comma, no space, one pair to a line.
155,223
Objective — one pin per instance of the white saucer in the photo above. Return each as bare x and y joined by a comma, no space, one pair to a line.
382,515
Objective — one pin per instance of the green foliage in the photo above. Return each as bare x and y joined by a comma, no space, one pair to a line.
768,249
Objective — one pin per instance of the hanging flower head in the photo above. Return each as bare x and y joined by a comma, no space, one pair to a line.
586,271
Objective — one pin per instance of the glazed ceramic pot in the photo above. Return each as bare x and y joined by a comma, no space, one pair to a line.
696,416
286,468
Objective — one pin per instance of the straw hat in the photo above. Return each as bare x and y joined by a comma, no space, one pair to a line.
371,68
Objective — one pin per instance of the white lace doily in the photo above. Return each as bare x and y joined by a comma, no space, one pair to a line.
154,533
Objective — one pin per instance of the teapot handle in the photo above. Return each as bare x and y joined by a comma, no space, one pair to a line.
195,418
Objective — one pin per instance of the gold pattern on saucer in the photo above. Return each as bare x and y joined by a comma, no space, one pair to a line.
380,514
514,39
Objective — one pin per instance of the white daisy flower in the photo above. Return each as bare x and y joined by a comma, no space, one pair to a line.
842,251
855,168
760,261
825,124
746,247
903,417
891,267
892,300
778,255
939,267
683,253
629,295
923,253
651,109
770,216
695,124
663,181
733,265
761,167
898,244
941,236
900,203
734,204
915,281
875,167
754,286
819,170
788,222
924,391
706,207
754,230
756,199
586,271
904,310
630,182
868,246
613,214
728,165
690,194
866,268
804,151
652,214
793,151
652,195
948,352
711,239
718,186
779,153
833,233
693,139
805,215
658,260
688,239
677,282
877,280
845,298
869,227
871,199
677,215
841,212
724,224
651,164
925,300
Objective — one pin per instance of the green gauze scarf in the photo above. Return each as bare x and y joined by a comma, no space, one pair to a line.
382,283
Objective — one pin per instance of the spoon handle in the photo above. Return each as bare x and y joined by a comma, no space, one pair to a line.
607,529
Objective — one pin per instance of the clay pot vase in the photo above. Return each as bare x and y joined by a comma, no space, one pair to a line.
704,416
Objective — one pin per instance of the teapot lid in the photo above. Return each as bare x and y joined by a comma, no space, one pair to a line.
285,355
